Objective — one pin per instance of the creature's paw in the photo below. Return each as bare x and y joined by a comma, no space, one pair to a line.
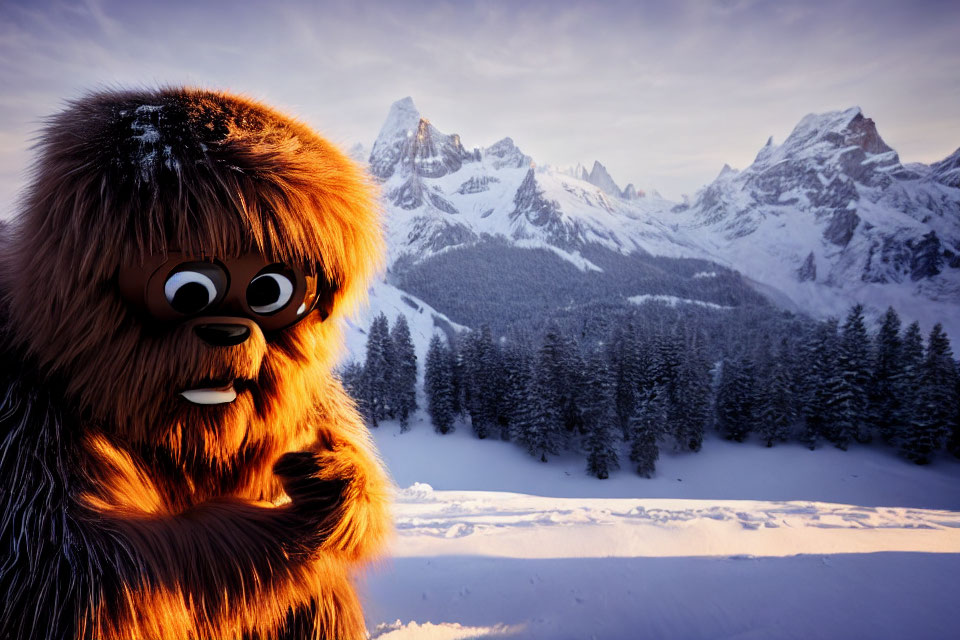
361,520
314,498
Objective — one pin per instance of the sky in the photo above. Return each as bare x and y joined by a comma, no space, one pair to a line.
662,93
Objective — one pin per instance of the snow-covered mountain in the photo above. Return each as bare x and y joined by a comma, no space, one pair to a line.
832,216
441,194
828,218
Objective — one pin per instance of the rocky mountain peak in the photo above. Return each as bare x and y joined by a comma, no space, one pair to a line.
821,133
862,132
408,143
504,153
402,119
834,204
599,177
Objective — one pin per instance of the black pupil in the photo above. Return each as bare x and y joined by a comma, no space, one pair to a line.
190,298
263,291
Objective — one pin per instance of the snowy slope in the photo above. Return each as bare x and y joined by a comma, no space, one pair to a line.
384,298
794,544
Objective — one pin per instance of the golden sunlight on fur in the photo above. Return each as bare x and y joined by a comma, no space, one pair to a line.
129,512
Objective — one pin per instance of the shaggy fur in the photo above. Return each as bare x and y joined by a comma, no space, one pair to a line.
126,512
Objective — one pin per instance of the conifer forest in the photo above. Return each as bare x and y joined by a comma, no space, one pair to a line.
617,393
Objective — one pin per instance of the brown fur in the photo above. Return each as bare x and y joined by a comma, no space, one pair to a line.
181,518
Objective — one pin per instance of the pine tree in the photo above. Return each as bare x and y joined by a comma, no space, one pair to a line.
351,375
437,387
953,444
554,376
664,366
600,419
466,365
819,357
883,398
907,387
404,380
692,398
516,383
735,405
777,406
454,354
626,367
540,428
761,355
663,370
377,371
573,383
848,385
481,373
491,387
646,425
936,407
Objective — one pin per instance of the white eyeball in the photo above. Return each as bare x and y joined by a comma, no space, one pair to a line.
269,292
189,291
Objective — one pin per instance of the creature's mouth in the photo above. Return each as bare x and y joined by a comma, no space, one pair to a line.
211,393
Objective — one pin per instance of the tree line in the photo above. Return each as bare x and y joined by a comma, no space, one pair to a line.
632,391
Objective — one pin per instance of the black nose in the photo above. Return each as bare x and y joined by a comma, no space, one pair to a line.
222,335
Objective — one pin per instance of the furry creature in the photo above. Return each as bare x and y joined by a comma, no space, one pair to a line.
194,473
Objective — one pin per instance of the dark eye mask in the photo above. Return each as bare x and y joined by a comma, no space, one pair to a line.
176,287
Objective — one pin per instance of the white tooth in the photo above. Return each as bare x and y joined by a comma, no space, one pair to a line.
210,396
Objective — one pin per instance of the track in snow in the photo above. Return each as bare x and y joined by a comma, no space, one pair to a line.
478,564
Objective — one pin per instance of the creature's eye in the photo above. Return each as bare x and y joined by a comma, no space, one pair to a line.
194,287
270,291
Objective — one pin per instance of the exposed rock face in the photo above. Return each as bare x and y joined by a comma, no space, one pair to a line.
412,194
530,203
842,225
808,270
477,184
947,171
538,211
408,195
927,259
431,154
437,235
411,145
862,132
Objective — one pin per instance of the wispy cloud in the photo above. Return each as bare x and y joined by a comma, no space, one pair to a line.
662,92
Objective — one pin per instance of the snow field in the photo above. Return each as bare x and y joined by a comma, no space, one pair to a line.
737,541
839,596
